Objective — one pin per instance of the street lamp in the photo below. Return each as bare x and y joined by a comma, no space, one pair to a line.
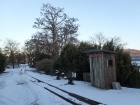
32,63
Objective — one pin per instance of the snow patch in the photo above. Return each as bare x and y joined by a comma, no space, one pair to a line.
2,84
6,101
22,82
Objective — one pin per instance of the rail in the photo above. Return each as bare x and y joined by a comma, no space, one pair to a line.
80,98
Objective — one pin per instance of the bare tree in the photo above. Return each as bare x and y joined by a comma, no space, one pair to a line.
10,49
118,42
31,46
56,27
98,40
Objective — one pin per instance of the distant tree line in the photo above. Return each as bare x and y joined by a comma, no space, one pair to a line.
11,55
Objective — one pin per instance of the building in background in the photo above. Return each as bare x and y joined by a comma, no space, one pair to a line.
135,56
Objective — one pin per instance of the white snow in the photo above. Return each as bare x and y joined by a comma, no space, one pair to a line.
17,87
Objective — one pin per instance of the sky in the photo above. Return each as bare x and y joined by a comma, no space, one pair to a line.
119,18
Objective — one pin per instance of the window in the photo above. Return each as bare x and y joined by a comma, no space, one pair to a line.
109,63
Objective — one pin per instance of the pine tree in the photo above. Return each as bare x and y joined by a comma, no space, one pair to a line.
2,63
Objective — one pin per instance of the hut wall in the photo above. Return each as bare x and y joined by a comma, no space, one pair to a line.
109,70
97,72
102,74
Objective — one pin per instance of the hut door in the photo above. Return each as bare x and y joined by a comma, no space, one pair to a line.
97,71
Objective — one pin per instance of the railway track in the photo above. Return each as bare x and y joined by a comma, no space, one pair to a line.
78,97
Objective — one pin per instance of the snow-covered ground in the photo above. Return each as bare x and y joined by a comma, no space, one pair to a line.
16,88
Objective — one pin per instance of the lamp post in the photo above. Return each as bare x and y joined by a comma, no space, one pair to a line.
32,62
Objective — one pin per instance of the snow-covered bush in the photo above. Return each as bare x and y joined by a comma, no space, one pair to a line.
44,65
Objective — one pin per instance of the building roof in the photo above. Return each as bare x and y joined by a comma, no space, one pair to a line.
92,51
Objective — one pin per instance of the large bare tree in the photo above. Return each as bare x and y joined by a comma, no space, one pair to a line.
56,28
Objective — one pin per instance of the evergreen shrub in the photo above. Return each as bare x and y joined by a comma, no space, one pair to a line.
2,63
44,65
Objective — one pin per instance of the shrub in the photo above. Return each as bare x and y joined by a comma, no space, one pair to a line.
82,61
68,58
73,59
2,63
56,65
44,65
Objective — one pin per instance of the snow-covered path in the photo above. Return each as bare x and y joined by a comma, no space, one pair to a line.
17,89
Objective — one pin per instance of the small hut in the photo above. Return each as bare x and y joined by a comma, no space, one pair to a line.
102,68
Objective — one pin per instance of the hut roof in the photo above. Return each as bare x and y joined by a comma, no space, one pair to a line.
92,51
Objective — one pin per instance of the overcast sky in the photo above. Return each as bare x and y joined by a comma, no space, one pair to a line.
119,18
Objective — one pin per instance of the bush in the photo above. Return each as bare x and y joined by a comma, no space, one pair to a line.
44,65
82,61
73,59
67,58
2,63
56,65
